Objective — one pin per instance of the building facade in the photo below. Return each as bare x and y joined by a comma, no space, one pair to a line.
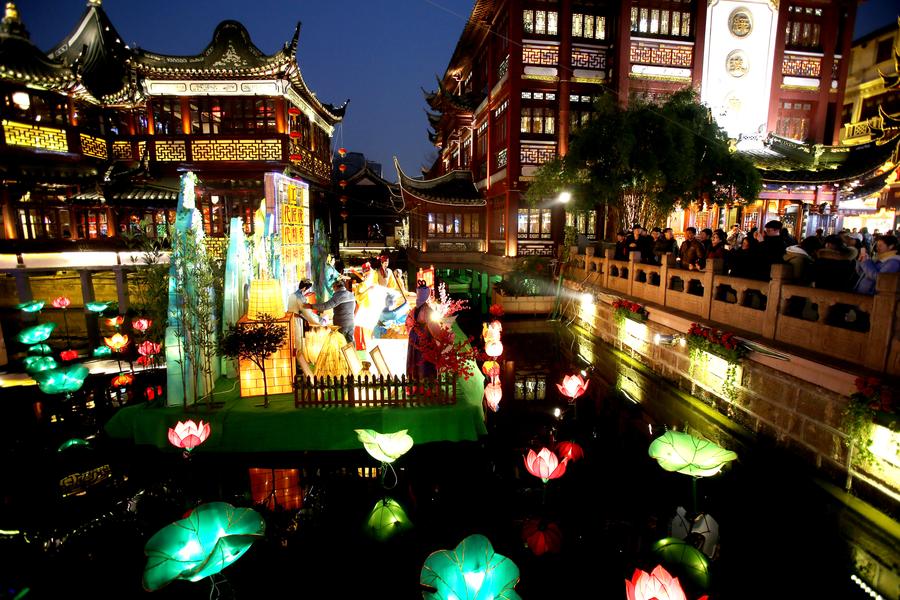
95,134
524,75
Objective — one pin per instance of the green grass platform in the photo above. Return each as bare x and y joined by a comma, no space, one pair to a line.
242,426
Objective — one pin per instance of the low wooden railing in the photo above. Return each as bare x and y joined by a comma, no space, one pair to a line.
854,327
376,391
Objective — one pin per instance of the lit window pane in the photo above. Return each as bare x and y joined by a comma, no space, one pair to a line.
528,21
526,122
545,221
551,23
576,25
523,222
685,24
664,22
534,221
588,26
634,19
676,23
601,28
540,21
645,17
549,124
549,96
654,21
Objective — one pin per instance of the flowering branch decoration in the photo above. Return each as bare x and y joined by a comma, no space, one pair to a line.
449,356
626,309
872,402
723,344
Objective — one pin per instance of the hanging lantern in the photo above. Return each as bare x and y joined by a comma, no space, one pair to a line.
342,151
65,379
493,393
342,183
61,302
148,348
37,364
142,324
344,214
294,111
572,386
295,134
121,380
491,336
342,168
344,199
296,157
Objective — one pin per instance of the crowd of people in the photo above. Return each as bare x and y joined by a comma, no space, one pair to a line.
845,261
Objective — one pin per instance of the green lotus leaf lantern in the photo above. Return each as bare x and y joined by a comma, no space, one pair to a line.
65,379
73,443
387,519
684,453
36,333
97,307
40,350
684,560
385,447
38,364
101,351
472,571
210,538
31,307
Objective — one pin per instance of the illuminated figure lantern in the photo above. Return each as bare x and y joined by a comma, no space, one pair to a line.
493,393
491,336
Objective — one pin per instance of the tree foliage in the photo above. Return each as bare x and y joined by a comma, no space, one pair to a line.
645,159
256,342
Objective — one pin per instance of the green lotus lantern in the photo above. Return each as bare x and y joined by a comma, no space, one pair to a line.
684,453
36,334
97,307
73,443
66,379
38,364
684,560
31,307
101,351
387,519
210,538
472,571
385,447
40,350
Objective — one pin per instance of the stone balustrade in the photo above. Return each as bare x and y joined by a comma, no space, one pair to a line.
857,328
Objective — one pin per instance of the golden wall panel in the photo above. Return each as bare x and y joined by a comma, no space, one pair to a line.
93,146
236,150
34,136
170,150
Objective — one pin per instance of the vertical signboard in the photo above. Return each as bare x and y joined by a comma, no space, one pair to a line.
287,200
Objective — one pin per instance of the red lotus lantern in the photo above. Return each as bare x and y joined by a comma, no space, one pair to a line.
496,310
122,379
117,342
151,393
342,151
342,183
658,585
61,302
541,537
342,168
545,465
572,386
570,451
294,111
142,324
115,321
188,435
148,348
493,393
68,354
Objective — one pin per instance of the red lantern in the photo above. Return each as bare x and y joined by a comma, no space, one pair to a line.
342,151
572,386
68,354
142,324
344,199
545,465
493,393
570,451
151,393
540,537
188,435
295,134
294,111
121,380
344,214
296,157
342,183
342,168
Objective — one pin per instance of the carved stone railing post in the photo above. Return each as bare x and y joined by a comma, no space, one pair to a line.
668,260
779,275
881,331
634,258
608,256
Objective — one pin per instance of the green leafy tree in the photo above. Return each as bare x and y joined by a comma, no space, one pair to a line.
256,342
644,159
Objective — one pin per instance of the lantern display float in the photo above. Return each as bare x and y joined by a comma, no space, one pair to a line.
471,570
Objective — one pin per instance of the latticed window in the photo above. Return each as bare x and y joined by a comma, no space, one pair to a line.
591,27
531,387
584,222
534,223
540,22
538,120
250,115
663,18
794,119
804,27
32,106
167,115
467,225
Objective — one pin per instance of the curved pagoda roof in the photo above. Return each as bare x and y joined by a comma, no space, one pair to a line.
23,62
98,54
456,188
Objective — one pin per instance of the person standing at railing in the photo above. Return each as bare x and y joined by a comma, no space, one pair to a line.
665,244
733,241
885,261
692,253
769,251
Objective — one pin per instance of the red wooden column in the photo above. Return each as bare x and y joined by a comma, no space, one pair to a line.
699,44
186,115
829,42
513,115
847,18
777,62
622,63
564,68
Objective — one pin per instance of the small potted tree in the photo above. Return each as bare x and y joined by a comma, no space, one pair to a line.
255,341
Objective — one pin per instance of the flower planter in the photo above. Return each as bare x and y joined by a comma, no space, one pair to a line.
525,304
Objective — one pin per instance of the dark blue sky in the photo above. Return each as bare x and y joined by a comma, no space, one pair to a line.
378,53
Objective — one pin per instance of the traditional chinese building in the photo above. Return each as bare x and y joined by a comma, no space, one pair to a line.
524,74
367,214
96,133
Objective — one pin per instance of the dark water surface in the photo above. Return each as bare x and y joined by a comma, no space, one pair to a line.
779,537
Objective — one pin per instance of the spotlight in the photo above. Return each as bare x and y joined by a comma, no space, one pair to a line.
587,299
667,339
557,412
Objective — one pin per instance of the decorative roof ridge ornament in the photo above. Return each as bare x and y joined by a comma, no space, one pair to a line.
94,2
12,24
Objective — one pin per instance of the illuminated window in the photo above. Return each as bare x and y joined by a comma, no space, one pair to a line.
35,107
167,115
660,18
237,115
534,223
794,119
804,27
584,222
531,387
538,120
540,22
457,225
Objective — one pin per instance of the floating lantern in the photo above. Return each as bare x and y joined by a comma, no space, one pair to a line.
572,386
385,447
493,393
68,354
541,537
121,380
188,435
117,342
36,333
31,307
545,465
40,349
142,324
685,559
61,302
101,351
570,451
97,307
471,570
684,453
210,538
115,321
265,298
37,364
148,348
342,151
387,519
65,379
658,585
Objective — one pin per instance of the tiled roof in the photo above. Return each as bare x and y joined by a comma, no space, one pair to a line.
454,188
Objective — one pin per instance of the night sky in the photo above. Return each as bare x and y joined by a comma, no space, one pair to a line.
377,53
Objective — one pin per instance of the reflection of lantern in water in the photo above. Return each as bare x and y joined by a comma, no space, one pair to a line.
276,487
207,540
188,435
493,393
541,537
572,386
386,519
570,451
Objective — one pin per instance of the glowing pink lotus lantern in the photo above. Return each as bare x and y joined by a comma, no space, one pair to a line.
61,302
658,585
188,435
491,335
572,386
570,451
493,393
149,348
142,324
545,465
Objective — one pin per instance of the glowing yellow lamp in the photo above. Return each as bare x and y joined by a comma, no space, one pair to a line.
265,299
